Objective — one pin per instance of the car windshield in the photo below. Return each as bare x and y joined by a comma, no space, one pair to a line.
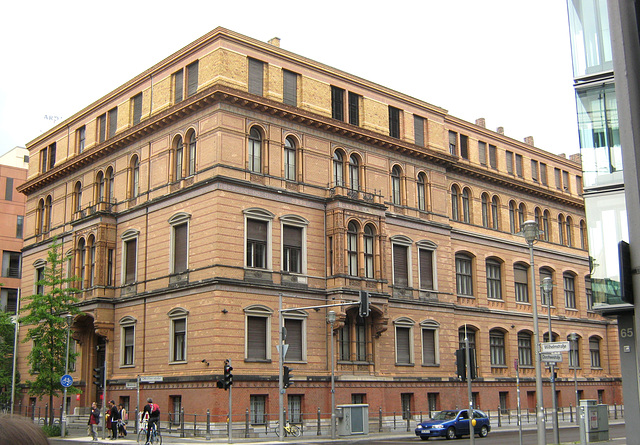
445,415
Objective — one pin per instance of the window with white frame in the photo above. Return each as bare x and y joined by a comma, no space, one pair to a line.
524,348
464,275
574,352
404,341
396,186
39,266
401,247
258,238
127,341
255,150
352,248
430,350
494,279
496,346
129,256
257,333
422,191
426,264
369,240
569,290
290,159
594,351
295,323
354,172
338,168
294,253
178,340
179,242
521,282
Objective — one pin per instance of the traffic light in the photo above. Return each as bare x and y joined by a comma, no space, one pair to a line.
286,378
364,304
228,377
98,376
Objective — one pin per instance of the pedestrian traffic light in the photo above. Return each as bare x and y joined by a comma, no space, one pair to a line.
364,304
286,378
98,376
228,377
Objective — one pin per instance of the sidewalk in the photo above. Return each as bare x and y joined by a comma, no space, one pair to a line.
309,437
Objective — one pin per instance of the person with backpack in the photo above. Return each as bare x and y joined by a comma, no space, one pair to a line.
152,413
94,419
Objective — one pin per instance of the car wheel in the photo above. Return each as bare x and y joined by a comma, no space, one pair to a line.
484,431
424,437
451,433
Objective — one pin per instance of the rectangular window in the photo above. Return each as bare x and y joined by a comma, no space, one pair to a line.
8,191
137,108
290,88
543,173
558,175
394,122
102,128
426,268
47,158
257,409
579,185
519,173
405,401
464,279
494,282
429,347
508,156
52,155
19,226
521,284
464,146
534,170
110,253
80,138
294,402
524,349
178,86
112,117
496,346
493,157
403,345
292,249
128,341
39,287
192,78
565,180
179,337
453,143
482,152
418,130
130,251
180,248
400,265
294,339
354,109
257,244
569,292
337,103
594,352
256,69
11,264
256,338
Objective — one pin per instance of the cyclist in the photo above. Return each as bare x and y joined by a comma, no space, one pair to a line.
152,411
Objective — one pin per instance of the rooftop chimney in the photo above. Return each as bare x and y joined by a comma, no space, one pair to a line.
274,41
500,130
480,122
528,140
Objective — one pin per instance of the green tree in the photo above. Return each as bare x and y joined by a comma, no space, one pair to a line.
7,337
47,327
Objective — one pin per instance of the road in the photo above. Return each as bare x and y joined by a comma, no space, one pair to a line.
500,437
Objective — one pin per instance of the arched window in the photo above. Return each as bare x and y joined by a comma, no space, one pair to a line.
464,275
82,262
100,187
496,346
191,164
369,238
524,348
178,148
546,228
178,347
594,351
40,216
574,352
468,332
354,173
290,159
352,248
255,150
466,211
47,213
91,260
495,213
422,191
512,217
396,191
485,210
494,279
547,297
569,281
522,216
561,226
538,218
569,234
338,168
134,181
77,197
521,282
583,234
455,198
108,179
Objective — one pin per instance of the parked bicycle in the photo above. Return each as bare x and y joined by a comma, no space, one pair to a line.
155,438
288,429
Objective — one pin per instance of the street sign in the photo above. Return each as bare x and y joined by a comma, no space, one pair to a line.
131,385
551,357
285,348
151,379
555,346
66,380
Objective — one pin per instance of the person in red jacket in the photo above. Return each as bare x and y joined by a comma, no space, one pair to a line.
152,413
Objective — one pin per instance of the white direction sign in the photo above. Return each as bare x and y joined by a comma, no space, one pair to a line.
555,346
151,379
551,357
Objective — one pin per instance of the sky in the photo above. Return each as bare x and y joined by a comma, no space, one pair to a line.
507,61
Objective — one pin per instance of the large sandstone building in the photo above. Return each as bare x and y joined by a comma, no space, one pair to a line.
234,171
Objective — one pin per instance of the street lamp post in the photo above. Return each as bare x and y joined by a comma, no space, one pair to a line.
14,320
530,232
63,425
547,287
331,319
573,337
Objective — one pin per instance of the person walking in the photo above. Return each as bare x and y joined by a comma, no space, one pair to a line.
115,416
94,419
152,413
122,423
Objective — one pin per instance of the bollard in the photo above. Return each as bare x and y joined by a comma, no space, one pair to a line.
195,416
182,422
421,417
380,419
527,415
570,413
615,411
499,417
208,434
302,424
318,432
246,422
394,421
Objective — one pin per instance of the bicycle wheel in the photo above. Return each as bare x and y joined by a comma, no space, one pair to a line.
142,436
158,437
277,430
294,430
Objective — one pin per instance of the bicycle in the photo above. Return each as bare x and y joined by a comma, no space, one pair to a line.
288,429
155,438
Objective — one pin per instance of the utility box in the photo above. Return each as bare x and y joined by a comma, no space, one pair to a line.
352,419
594,422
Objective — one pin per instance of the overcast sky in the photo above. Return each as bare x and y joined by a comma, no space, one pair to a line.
508,61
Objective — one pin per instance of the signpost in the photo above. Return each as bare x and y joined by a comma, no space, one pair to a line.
551,357
555,346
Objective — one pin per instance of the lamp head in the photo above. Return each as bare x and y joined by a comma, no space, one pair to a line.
530,231
331,317
547,284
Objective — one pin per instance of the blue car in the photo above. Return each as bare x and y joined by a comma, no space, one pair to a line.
453,424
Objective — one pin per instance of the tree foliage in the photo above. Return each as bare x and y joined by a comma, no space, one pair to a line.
45,317
7,337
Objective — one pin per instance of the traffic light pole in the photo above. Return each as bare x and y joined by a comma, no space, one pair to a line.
104,394
469,392
229,423
280,367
